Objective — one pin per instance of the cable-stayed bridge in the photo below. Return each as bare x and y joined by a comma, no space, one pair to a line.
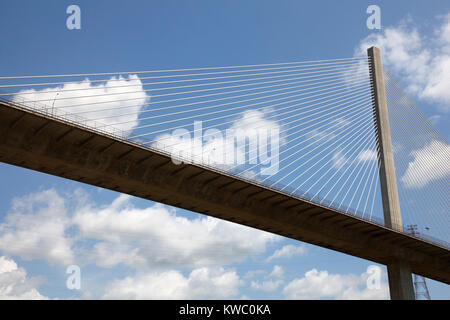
298,149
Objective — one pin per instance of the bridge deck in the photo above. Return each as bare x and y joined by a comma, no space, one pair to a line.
32,140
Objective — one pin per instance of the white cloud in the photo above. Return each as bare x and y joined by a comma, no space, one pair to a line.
153,240
423,62
35,229
46,225
200,284
367,155
338,160
277,272
322,285
157,236
430,163
42,226
88,96
253,273
255,120
267,286
14,284
287,251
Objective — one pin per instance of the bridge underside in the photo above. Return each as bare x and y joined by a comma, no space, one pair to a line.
37,142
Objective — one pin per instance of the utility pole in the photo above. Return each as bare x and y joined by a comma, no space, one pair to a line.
399,273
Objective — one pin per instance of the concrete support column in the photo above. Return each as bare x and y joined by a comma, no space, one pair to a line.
400,278
400,281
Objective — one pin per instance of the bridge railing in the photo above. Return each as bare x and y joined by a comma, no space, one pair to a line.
359,214
59,114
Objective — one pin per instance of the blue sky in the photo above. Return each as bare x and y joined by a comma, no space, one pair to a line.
146,35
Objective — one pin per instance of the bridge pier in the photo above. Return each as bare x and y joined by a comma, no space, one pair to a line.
400,281
399,273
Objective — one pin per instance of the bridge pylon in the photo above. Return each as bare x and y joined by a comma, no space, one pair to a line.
399,273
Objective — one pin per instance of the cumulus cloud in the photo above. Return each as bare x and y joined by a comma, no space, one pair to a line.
322,285
157,236
267,286
35,227
47,225
253,273
277,272
423,62
211,283
14,284
118,99
287,251
155,241
430,163
272,280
